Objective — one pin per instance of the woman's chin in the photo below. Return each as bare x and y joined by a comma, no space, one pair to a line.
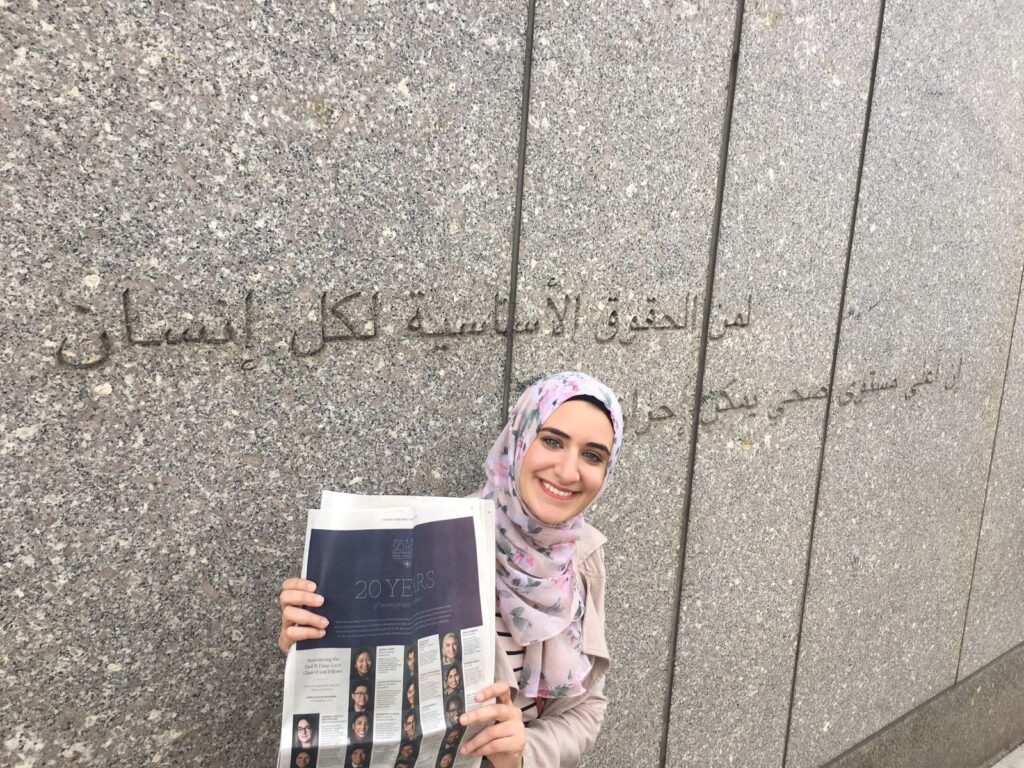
556,514
549,510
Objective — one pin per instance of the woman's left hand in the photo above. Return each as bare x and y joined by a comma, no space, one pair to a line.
503,742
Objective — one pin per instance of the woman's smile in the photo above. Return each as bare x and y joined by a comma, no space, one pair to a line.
555,491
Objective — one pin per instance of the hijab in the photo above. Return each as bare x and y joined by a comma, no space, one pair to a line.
538,594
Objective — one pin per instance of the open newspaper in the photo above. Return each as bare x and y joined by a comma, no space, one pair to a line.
408,586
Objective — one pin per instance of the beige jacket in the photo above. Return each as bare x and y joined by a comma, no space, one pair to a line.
568,727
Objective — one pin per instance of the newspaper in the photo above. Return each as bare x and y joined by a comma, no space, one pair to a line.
408,586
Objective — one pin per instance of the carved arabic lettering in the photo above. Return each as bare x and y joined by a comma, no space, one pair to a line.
355,316
724,400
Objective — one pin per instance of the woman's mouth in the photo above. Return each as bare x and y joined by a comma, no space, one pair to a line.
556,493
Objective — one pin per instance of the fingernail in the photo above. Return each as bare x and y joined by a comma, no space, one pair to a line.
324,622
479,697
319,600
323,632
311,586
462,719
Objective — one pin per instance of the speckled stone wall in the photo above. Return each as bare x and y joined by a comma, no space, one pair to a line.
336,182
933,286
797,124
995,619
618,212
255,250
990,703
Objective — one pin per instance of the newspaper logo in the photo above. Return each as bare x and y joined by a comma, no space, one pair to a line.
401,550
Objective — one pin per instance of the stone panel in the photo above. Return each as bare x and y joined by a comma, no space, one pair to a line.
305,174
973,723
923,345
995,618
626,114
797,128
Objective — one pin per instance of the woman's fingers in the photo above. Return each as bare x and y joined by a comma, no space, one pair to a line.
297,623
507,735
296,633
510,729
499,691
293,615
491,712
299,597
304,584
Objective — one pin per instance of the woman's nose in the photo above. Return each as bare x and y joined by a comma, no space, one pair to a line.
568,469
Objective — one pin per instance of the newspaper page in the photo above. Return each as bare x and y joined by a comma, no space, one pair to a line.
408,586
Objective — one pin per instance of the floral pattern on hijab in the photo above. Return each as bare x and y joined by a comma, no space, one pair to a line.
538,594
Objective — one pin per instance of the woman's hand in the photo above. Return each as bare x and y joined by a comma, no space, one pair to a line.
296,622
504,741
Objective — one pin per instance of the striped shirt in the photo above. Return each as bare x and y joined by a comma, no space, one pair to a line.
527,704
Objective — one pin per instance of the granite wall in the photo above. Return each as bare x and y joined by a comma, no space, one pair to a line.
255,250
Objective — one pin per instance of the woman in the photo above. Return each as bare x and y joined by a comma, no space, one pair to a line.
550,462
449,649
362,664
451,680
360,729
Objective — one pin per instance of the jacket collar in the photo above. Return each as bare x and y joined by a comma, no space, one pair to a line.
589,542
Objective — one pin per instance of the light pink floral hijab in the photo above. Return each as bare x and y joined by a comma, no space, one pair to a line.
538,593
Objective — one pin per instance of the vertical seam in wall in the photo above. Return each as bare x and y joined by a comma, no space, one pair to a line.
698,396
517,216
832,380
988,479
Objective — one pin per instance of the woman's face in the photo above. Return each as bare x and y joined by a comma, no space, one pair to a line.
304,732
453,677
363,663
565,465
302,760
360,726
450,647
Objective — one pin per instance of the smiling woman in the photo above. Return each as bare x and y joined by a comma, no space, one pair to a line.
551,461
564,468
548,465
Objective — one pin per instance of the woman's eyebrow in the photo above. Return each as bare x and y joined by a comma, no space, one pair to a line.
564,436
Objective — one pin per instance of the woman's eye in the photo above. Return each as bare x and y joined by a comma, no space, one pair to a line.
551,442
594,457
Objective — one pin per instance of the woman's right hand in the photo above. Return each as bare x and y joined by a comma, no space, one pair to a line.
296,622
